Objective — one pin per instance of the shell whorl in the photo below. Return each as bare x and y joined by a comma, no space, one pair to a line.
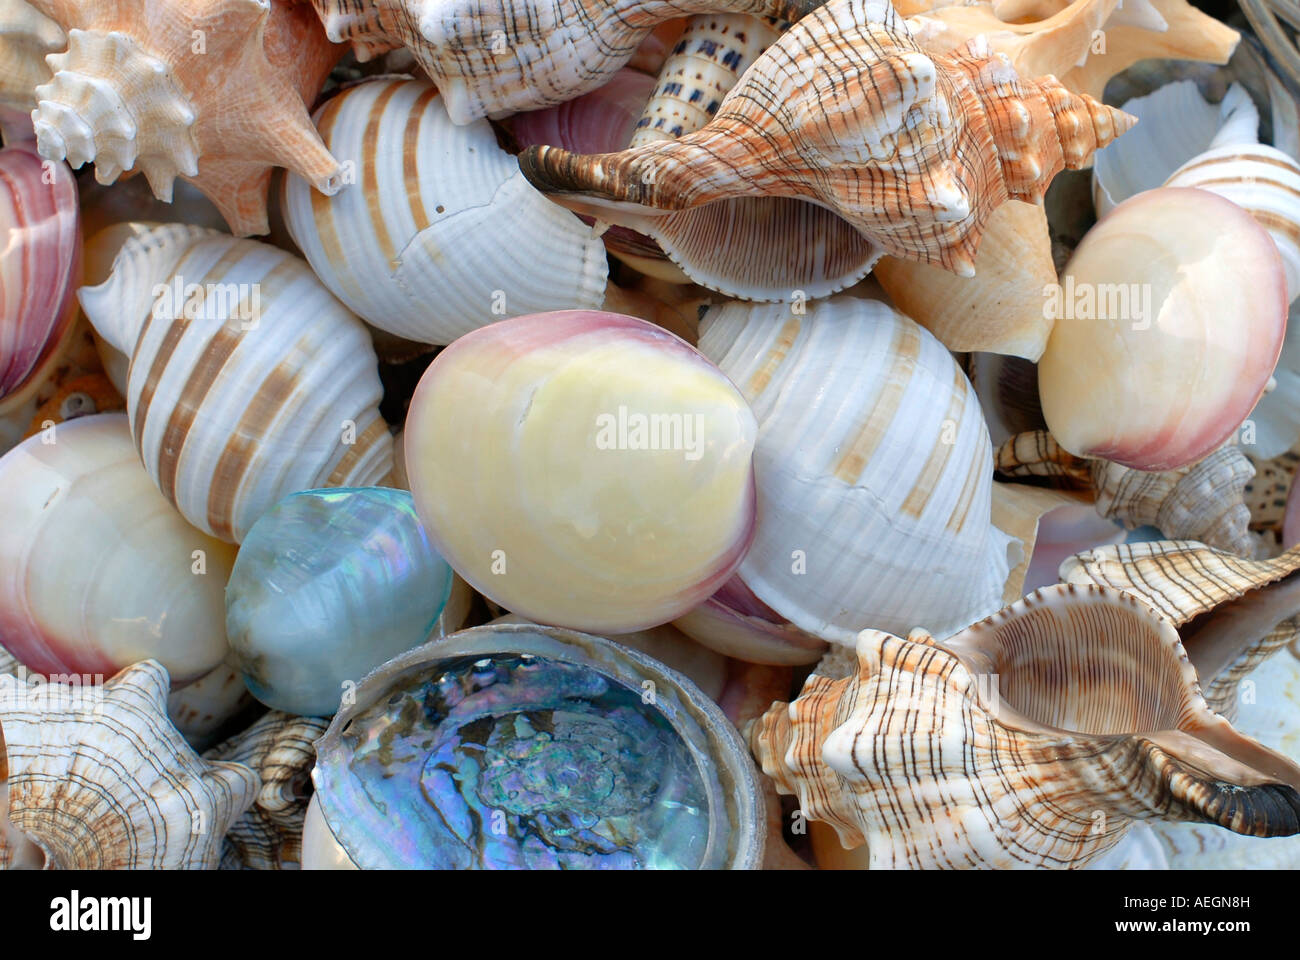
845,110
111,103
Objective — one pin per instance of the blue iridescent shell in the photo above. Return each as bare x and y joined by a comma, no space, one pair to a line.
328,585
526,747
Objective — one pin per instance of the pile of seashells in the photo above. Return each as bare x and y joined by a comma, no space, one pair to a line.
648,434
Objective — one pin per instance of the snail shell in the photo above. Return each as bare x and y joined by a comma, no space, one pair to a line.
984,750
213,90
97,570
101,780
226,412
440,234
597,472
873,465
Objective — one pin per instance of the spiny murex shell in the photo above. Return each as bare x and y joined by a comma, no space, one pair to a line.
490,58
846,111
100,779
210,90
248,380
987,750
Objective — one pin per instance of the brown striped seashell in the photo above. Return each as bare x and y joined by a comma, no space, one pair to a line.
491,58
215,91
1232,613
99,779
248,380
280,747
1204,501
1033,738
846,112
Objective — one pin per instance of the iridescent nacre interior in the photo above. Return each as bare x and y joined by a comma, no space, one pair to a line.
521,762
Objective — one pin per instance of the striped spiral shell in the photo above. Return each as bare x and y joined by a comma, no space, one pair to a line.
490,58
873,466
226,415
1031,739
101,780
845,111
440,234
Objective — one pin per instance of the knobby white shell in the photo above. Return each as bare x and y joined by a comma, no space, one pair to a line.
873,468
100,779
437,232
248,380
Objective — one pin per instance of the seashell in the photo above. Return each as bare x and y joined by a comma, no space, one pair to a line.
1177,124
212,707
40,266
1141,848
1000,309
280,748
227,417
26,36
328,585
490,59
1233,613
442,235
712,54
922,759
1263,181
547,734
1267,495
1007,388
132,92
72,358
736,623
154,586
1204,501
1268,715
1273,427
1082,43
1150,364
100,779
320,849
873,467
1050,525
948,110
597,474
77,397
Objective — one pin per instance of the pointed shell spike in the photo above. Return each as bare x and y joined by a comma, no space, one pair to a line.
101,780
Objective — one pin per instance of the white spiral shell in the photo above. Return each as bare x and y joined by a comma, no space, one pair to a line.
873,468
227,413
439,234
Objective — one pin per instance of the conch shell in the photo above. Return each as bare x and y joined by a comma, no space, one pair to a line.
491,58
101,780
215,91
846,111
989,749
1232,613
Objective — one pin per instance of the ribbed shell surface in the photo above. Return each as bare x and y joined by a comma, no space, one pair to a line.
271,388
873,466
438,233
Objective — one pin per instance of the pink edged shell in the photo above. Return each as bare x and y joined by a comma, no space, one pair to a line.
1169,321
553,491
40,262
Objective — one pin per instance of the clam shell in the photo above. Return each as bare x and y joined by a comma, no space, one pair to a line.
984,751
873,466
214,91
97,570
647,737
226,412
101,780
439,233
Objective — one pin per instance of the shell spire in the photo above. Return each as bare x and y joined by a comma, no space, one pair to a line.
846,111
216,92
